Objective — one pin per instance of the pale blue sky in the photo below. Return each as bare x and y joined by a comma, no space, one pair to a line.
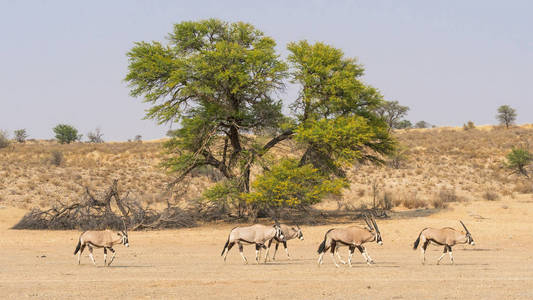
449,61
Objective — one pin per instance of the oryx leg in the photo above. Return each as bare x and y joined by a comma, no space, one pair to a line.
105,257
275,250
352,248
79,253
450,253
227,250
443,253
338,255
268,251
91,253
333,249
113,256
367,257
286,250
242,254
257,252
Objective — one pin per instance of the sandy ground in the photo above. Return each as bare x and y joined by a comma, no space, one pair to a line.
186,264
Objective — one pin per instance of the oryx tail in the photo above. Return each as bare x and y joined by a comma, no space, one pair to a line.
415,245
227,242
323,244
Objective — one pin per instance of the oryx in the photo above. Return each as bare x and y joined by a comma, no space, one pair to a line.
101,239
256,234
446,237
289,232
353,237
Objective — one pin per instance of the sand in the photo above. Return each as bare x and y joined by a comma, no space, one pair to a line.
186,264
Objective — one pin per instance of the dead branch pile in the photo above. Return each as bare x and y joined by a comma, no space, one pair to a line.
97,214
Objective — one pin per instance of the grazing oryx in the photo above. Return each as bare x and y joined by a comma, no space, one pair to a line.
446,237
101,239
256,234
353,237
289,232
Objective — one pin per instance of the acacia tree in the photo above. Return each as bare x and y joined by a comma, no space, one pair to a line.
506,115
392,112
66,134
219,81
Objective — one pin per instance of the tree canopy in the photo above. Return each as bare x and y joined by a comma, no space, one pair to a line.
221,83
65,134
506,115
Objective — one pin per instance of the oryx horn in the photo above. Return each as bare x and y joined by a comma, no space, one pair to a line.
464,226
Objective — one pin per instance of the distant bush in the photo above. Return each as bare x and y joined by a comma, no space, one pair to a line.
469,126
21,135
403,124
422,124
4,141
138,138
96,136
398,157
56,157
506,115
66,134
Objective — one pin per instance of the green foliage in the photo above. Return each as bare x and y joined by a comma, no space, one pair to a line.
518,160
219,81
289,184
344,138
20,135
65,134
336,110
226,194
506,115
404,124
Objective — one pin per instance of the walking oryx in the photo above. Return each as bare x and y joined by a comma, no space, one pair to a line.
256,234
289,232
446,237
101,239
353,237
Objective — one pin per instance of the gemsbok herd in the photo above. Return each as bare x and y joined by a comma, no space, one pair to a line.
262,236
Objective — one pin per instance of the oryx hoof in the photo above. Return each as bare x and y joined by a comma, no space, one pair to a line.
343,262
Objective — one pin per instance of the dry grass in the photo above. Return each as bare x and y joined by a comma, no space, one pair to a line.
440,165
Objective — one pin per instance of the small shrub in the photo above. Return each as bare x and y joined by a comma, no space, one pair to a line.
518,160
491,196
96,136
21,135
4,141
56,157
138,138
447,195
438,202
387,200
414,202
524,187
469,126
